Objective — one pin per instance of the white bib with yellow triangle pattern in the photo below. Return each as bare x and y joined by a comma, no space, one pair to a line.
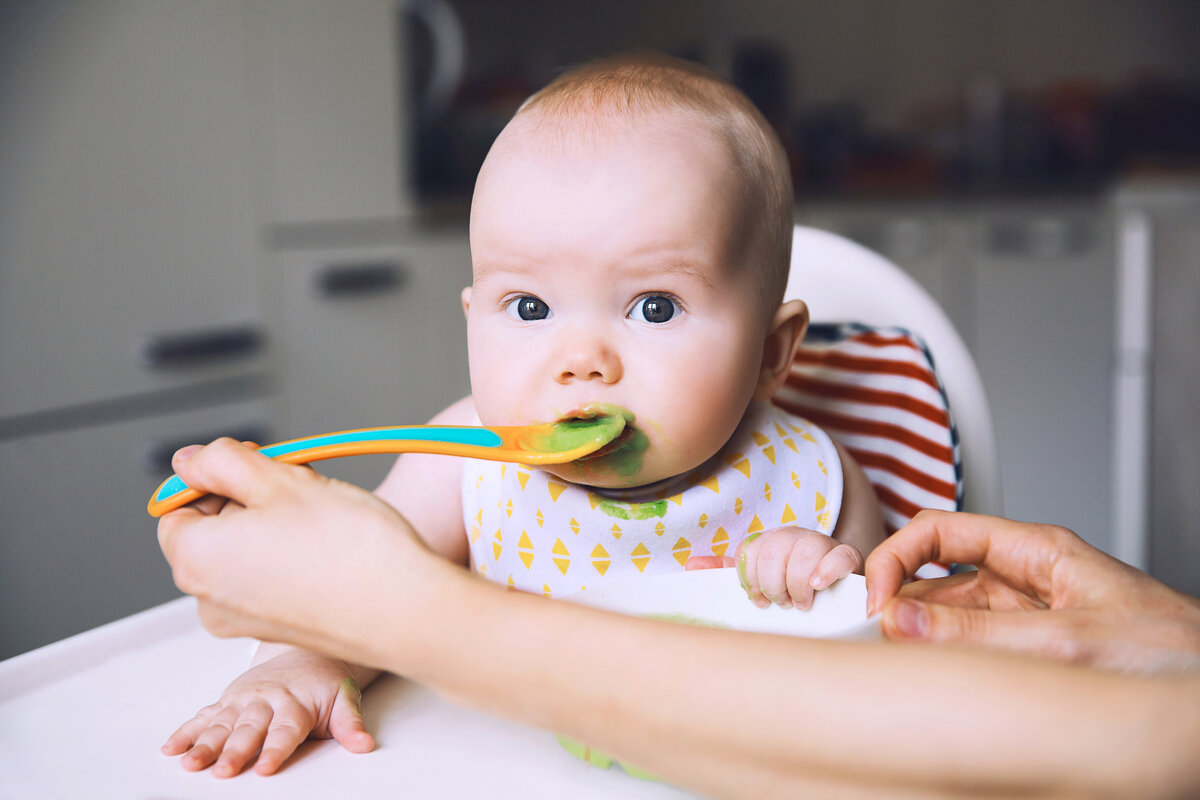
534,532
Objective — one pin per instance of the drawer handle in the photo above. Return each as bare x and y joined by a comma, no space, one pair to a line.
176,350
360,279
156,457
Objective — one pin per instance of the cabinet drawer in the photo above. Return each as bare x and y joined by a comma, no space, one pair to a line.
77,547
373,336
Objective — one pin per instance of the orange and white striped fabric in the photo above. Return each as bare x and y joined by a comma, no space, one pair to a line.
875,390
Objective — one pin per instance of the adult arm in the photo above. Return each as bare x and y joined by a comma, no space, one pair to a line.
1087,607
727,713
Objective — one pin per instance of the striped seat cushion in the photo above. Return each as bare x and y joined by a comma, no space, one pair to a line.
875,390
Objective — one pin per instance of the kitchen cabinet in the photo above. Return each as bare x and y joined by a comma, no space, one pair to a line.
329,88
127,237
78,548
131,318
375,336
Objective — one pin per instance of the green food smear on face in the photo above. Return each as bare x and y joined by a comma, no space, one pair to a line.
622,510
627,459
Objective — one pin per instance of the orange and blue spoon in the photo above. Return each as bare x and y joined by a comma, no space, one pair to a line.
547,443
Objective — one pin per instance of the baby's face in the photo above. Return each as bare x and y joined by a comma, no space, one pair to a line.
605,277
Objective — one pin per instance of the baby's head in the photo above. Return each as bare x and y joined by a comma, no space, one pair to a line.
630,233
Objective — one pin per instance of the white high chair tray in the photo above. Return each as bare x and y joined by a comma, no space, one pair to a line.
715,597
85,717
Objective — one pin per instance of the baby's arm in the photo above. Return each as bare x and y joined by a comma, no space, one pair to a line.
289,694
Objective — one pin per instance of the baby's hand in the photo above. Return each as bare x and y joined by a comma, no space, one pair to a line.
274,707
786,566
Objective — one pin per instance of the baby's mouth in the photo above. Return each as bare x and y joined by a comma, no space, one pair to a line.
601,410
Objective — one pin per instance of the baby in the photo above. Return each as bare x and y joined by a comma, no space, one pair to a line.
630,236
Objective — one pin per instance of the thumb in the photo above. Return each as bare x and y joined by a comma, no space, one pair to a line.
1045,633
232,470
346,722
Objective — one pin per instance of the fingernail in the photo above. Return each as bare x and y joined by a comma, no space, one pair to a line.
184,453
817,582
870,601
911,619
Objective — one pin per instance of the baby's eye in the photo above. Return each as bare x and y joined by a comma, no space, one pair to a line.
527,307
655,308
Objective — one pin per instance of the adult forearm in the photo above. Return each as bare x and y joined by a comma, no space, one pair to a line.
735,714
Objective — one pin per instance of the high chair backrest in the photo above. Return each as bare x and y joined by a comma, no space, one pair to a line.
865,375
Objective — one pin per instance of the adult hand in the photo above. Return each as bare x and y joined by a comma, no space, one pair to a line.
1039,589
292,556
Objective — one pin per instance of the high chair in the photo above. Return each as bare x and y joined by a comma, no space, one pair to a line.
864,374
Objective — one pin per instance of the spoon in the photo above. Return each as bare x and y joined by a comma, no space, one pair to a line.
547,443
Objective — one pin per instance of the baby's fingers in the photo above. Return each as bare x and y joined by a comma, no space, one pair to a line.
837,564
244,741
211,741
187,734
289,728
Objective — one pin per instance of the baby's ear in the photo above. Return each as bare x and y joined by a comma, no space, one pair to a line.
466,299
779,350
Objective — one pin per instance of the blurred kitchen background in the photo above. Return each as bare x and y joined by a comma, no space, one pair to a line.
248,218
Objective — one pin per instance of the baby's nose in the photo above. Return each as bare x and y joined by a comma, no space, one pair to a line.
587,361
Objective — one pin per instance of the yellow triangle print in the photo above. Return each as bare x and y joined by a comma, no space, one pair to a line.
479,517
737,506
795,480
677,499
821,464
546,589
474,535
640,557
711,483
767,492
525,548
600,559
761,439
820,502
682,549
540,519
511,583
742,466
616,531
769,452
659,529
703,520
562,556
555,489
481,569
720,542
503,469
755,525
497,545
808,437
508,509
824,520
795,428
593,500
522,478
788,515
574,525
790,442
779,429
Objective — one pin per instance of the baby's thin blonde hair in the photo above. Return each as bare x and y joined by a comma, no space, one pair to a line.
643,84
